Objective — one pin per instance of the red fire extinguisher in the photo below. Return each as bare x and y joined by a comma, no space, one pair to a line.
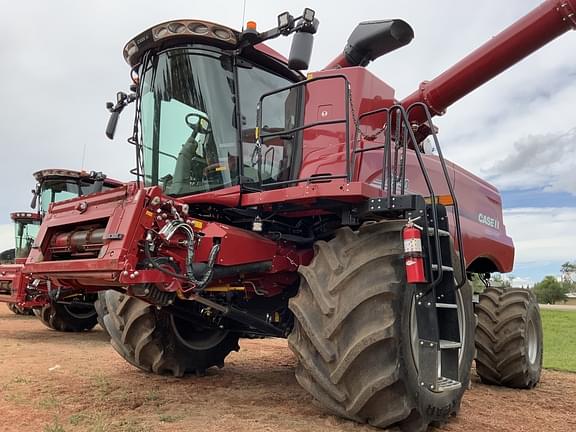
413,259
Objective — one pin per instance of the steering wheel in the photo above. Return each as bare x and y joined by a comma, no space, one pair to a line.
199,123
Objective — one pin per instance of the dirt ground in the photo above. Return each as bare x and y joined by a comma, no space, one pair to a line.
56,382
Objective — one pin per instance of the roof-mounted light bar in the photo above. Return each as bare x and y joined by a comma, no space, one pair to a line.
25,215
42,174
189,29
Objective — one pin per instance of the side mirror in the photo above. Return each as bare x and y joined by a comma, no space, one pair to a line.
303,41
35,193
122,99
301,51
112,123
20,229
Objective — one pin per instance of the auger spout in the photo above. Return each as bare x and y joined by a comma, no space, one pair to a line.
539,27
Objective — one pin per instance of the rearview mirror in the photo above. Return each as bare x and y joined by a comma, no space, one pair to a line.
301,51
122,99
112,123
302,42
35,195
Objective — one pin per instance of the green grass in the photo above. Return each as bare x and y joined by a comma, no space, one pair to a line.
559,339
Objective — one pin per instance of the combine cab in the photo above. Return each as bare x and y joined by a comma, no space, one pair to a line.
24,294
26,226
281,205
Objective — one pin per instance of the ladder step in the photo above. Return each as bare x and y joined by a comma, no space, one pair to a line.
447,344
444,268
446,384
441,233
446,306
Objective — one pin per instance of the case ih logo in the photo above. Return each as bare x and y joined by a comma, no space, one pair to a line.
487,220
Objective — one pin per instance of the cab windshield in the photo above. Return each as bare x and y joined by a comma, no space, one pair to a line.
25,231
190,125
60,189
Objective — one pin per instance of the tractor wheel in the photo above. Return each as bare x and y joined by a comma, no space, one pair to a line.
15,309
156,341
101,310
19,310
509,338
355,334
67,318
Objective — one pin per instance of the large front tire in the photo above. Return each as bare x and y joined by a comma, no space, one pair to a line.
155,341
67,317
353,333
509,339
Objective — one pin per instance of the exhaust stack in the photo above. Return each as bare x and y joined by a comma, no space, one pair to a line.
372,39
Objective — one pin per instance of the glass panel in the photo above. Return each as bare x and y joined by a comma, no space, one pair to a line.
90,187
60,189
25,232
188,122
57,190
278,113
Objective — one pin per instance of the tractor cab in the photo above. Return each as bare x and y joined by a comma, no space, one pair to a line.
197,86
26,227
58,185
197,133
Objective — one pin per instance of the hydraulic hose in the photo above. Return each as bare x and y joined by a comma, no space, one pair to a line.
199,283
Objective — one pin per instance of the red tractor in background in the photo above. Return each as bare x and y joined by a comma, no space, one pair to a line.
23,294
276,204
26,226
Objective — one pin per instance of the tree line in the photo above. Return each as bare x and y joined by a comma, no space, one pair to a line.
551,290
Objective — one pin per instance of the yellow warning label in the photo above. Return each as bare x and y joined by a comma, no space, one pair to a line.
197,224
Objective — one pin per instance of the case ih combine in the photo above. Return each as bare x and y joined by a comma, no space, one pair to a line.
303,207
54,308
26,226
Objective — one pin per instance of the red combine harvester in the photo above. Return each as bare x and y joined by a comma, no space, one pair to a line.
303,207
26,226
23,294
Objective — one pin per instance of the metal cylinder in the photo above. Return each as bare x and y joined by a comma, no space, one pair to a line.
78,242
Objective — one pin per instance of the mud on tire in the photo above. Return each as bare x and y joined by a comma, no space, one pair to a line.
509,338
155,341
67,318
352,334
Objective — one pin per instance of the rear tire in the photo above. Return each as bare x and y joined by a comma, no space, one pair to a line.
509,338
352,334
155,341
67,318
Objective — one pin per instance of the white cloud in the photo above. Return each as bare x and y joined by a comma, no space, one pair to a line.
539,161
521,282
542,234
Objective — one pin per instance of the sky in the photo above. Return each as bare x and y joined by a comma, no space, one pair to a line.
62,60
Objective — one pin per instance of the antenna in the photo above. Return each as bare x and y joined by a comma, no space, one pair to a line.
83,155
243,14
